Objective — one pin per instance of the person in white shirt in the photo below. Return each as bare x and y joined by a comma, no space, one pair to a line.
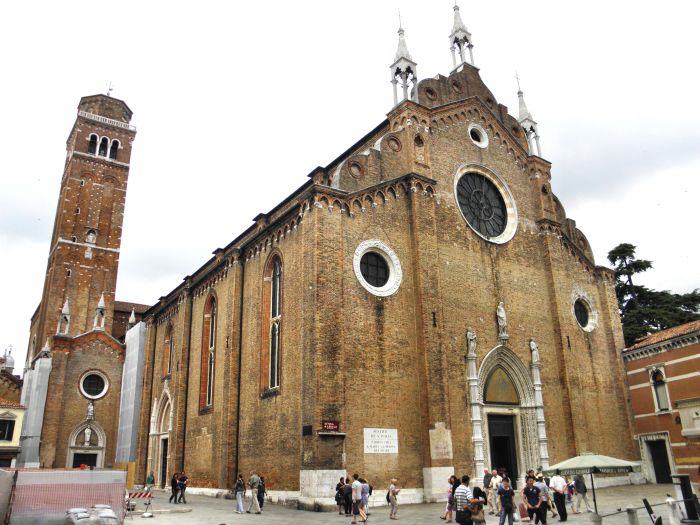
356,497
496,480
559,487
463,498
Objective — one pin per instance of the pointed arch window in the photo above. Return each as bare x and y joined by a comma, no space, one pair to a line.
92,144
104,144
272,325
168,350
208,361
114,149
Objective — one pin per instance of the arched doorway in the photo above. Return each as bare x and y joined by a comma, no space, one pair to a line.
508,429
161,425
86,446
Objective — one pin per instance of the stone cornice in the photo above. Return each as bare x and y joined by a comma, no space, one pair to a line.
662,346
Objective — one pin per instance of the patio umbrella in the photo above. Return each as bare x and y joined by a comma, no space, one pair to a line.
589,463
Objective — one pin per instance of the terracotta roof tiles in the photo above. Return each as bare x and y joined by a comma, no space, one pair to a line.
665,335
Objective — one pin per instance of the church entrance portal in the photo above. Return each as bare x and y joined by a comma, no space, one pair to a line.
502,444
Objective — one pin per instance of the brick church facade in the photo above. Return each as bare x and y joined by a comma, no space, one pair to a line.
420,306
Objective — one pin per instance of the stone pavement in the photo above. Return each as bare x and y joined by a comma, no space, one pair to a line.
212,511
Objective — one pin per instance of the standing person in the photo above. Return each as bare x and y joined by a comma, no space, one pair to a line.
487,489
393,498
506,504
364,504
339,497
356,496
173,488
581,493
150,481
494,486
450,505
478,517
261,492
559,488
463,499
347,496
546,500
253,483
240,494
533,500
182,486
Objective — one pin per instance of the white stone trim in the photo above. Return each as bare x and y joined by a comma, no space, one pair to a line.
484,142
666,363
578,294
98,373
511,208
392,260
647,463
662,346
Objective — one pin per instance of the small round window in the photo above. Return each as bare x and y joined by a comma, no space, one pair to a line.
478,135
93,385
377,268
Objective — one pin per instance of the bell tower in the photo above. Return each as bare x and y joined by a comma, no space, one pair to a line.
81,273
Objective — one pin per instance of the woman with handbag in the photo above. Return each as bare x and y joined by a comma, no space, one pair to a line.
478,514
339,498
450,506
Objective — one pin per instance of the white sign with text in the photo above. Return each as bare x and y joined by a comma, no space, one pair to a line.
381,441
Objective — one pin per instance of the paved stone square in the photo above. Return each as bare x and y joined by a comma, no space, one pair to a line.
211,511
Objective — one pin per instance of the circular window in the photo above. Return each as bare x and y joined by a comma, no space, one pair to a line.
93,385
486,204
377,268
478,135
581,313
374,269
585,315
355,170
394,144
430,93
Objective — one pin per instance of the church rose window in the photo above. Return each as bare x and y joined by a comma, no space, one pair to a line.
93,385
374,269
482,205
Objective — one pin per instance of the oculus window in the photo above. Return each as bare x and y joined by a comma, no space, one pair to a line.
93,385
377,268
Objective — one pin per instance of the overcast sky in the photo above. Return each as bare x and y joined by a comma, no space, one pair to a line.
235,103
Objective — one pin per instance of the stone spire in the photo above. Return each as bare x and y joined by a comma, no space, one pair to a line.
460,39
99,323
403,70
132,320
528,124
9,361
64,320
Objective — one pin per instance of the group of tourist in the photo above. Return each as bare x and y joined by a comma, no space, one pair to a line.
256,484
352,497
178,485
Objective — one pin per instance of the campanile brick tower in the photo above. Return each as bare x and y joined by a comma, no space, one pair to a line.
84,251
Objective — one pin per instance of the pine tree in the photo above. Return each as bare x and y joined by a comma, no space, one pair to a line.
643,310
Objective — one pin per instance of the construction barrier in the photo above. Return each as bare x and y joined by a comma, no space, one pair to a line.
44,496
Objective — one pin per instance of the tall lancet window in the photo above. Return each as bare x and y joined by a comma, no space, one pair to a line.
206,392
168,348
272,324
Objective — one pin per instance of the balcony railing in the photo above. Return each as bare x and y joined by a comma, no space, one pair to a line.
105,120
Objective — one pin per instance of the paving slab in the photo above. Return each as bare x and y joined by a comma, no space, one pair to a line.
215,511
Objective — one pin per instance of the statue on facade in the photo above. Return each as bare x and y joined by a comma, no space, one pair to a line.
502,321
88,435
471,342
535,351
90,412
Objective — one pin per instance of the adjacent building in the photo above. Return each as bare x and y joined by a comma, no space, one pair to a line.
663,374
11,418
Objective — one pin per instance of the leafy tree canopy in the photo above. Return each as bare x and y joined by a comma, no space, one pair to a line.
643,310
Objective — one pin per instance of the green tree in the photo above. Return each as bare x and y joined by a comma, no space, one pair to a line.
643,310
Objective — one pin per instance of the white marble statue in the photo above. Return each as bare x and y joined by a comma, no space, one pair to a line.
502,321
535,350
88,434
90,411
471,342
